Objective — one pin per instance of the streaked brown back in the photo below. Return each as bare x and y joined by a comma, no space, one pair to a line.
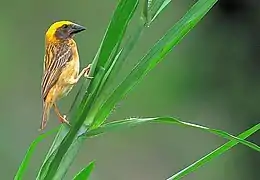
56,57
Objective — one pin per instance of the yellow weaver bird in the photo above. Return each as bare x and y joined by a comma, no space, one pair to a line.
61,66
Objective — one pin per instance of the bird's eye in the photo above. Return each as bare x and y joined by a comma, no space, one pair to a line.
65,26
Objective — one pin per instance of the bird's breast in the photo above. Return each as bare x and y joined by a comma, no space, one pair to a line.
70,72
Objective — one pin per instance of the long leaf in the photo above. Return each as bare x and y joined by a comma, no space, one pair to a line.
129,45
85,173
155,55
25,163
214,154
115,34
136,121
67,160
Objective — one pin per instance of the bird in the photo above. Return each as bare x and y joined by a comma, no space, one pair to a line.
61,67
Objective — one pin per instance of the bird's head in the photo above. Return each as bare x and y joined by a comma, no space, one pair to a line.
63,30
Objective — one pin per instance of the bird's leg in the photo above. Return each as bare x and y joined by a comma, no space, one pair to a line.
62,119
84,72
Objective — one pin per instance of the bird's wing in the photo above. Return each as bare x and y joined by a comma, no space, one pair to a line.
55,59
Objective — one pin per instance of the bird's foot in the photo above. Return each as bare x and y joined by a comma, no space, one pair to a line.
87,70
63,119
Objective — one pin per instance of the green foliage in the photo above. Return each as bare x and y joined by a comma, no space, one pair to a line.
214,154
137,121
85,173
25,163
97,97
153,57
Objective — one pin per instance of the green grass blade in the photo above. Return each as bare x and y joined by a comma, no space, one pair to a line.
105,79
155,55
136,121
58,138
114,35
85,173
45,166
25,163
116,29
67,160
129,45
214,154
110,46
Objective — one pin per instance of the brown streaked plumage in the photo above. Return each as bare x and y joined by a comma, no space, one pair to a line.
61,66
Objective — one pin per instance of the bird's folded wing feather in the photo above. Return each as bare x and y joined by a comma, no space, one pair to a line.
55,60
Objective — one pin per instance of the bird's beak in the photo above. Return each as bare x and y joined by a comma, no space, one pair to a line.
76,28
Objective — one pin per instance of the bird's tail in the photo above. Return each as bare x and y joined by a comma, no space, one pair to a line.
45,115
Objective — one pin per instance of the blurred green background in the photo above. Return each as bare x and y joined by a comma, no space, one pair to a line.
211,78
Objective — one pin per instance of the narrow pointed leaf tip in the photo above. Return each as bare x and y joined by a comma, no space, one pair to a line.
214,154
84,174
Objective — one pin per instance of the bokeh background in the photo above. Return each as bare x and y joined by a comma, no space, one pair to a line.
211,78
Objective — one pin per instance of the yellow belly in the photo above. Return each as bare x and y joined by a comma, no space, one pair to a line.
69,72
